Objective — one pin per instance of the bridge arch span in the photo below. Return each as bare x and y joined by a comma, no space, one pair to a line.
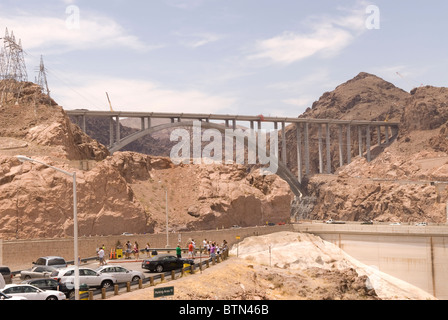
282,171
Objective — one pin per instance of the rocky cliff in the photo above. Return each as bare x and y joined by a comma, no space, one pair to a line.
405,181
126,192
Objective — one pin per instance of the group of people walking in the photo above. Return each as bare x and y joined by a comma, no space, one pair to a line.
211,248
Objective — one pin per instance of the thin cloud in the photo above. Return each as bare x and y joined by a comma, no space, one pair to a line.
88,91
52,35
197,40
328,37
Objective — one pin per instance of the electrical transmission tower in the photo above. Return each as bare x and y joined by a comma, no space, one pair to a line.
13,72
42,78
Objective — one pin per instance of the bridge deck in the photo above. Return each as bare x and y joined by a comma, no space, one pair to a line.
195,116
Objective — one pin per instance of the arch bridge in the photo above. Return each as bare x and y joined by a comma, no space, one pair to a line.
303,131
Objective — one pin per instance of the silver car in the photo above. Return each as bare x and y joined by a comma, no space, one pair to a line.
122,274
36,272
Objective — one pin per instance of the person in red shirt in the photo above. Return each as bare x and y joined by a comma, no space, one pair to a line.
190,250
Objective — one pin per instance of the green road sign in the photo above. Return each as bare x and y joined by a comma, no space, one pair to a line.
162,292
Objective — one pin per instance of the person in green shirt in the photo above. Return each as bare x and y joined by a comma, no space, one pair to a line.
179,251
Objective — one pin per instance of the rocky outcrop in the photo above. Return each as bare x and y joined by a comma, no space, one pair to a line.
126,193
37,202
41,122
400,184
203,196
426,108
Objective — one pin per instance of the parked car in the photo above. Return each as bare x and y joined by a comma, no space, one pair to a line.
36,272
421,224
395,224
48,284
367,222
32,293
87,276
6,273
7,297
165,262
121,274
331,221
51,261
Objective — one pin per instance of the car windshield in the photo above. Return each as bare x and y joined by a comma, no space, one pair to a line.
55,273
5,271
56,261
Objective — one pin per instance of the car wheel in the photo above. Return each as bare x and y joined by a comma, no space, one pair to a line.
71,294
135,278
159,268
106,284
27,278
52,298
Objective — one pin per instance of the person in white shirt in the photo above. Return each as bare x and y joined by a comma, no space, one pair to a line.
101,257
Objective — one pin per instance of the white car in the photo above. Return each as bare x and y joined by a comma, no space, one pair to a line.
86,276
421,224
122,274
395,224
32,293
6,297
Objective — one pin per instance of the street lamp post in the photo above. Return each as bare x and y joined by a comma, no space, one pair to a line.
166,214
75,217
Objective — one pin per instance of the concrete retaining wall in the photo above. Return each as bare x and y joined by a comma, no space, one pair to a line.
20,254
417,255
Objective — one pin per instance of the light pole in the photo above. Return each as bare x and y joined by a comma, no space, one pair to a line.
166,213
75,217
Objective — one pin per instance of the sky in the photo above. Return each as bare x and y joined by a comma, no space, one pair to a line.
246,57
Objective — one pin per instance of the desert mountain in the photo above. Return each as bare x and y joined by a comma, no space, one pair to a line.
405,180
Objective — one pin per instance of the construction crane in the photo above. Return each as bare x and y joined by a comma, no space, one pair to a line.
110,104
405,79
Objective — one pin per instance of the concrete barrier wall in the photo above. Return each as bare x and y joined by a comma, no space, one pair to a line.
20,254
417,255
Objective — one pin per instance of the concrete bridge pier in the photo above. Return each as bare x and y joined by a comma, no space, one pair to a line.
349,144
299,153
368,143
321,160
341,156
